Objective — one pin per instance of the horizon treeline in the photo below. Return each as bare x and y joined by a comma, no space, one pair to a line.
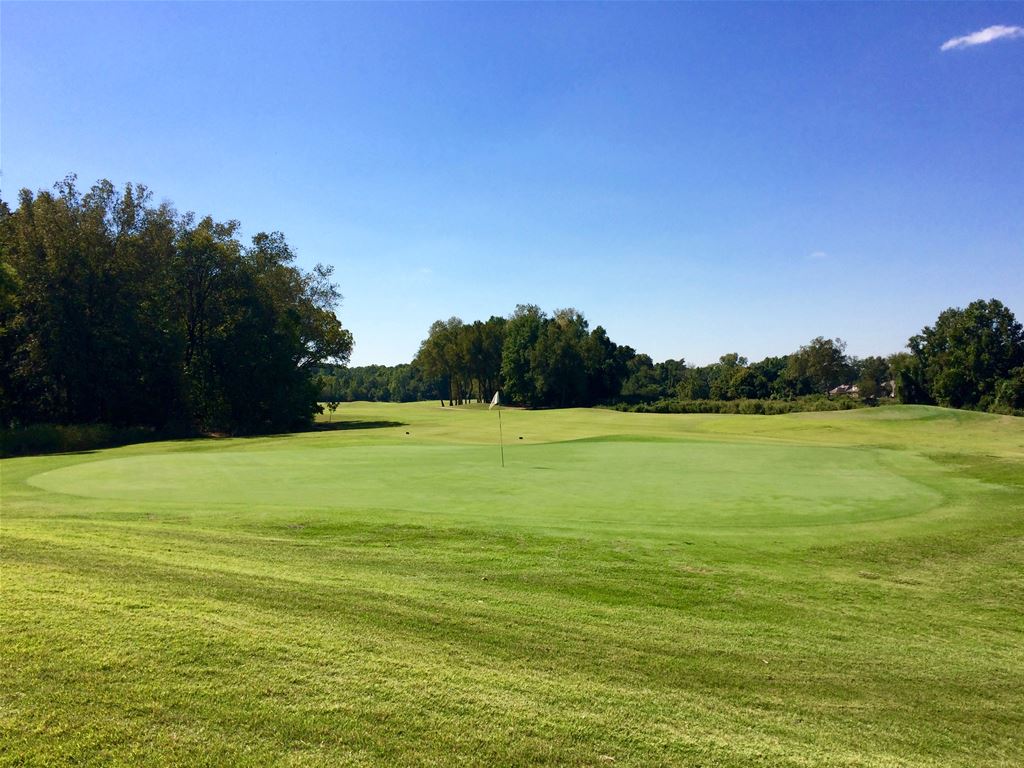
971,358
117,311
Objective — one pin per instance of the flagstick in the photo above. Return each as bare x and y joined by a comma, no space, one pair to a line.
501,441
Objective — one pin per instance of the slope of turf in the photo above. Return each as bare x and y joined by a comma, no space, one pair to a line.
631,589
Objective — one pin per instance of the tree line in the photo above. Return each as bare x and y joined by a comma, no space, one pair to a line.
970,358
536,359
119,311
402,383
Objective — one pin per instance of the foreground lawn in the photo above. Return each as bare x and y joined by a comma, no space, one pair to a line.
815,589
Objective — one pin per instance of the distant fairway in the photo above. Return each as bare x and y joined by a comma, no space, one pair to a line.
631,589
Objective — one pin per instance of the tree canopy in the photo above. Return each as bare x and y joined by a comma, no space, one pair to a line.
116,310
972,358
963,358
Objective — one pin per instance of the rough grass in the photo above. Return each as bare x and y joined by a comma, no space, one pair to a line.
632,589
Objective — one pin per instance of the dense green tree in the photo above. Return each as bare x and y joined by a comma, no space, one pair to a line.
9,292
382,383
694,384
769,373
263,303
406,383
605,364
874,379
207,273
670,374
522,332
908,386
9,283
640,383
964,356
443,355
746,382
1010,391
127,313
537,360
556,363
85,331
818,366
721,375
646,381
483,343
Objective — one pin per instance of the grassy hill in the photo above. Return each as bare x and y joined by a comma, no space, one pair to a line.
630,589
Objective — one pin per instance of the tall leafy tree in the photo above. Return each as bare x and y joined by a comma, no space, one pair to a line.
557,364
746,382
522,332
819,366
483,343
694,385
721,375
640,382
770,371
605,364
908,384
1010,392
874,379
207,271
964,356
124,312
442,356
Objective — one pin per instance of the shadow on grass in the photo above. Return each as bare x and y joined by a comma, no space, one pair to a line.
89,444
333,425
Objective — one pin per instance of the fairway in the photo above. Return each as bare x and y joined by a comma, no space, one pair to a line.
630,589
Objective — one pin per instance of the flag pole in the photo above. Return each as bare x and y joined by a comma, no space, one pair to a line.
496,401
501,441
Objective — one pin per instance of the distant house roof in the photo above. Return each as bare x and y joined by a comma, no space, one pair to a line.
845,389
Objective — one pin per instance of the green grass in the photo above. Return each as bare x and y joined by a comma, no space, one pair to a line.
814,589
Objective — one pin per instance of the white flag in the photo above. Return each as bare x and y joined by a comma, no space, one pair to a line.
494,400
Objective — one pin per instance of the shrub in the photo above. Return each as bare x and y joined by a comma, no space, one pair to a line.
746,406
56,438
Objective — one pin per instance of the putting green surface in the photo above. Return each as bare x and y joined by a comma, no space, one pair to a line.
629,589
591,487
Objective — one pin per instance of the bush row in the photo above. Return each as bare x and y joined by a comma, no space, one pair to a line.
746,406
56,438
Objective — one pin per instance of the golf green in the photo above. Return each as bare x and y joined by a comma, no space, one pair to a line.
592,487
838,589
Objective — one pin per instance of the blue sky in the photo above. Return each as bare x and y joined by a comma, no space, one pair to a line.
698,179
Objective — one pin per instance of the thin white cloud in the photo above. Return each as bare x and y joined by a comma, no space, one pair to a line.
818,256
983,36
